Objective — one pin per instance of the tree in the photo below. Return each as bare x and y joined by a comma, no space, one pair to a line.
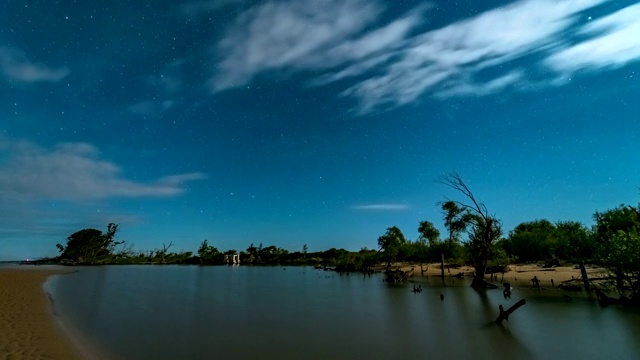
454,220
485,228
208,253
391,242
305,249
428,233
612,234
533,241
90,245
623,259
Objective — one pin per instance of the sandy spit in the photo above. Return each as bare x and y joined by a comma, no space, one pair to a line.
28,329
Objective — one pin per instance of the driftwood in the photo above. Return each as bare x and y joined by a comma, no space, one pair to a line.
504,315
570,287
605,300
396,276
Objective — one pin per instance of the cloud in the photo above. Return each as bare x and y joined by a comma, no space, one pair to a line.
15,66
292,34
454,56
615,42
398,63
381,207
73,172
490,87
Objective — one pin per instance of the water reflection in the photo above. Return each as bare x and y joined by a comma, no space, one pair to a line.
196,312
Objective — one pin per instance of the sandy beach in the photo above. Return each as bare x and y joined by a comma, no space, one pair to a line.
519,275
28,329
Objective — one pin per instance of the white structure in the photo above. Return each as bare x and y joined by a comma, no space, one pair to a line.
232,259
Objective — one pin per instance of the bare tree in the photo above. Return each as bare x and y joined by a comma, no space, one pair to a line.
484,228
164,250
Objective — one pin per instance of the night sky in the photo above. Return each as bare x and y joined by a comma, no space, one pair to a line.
318,122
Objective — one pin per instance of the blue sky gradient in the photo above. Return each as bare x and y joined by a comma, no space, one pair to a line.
318,122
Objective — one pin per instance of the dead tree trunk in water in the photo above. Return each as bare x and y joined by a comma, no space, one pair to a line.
442,265
504,315
585,277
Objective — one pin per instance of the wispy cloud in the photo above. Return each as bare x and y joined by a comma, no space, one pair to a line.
614,41
397,63
381,207
292,34
15,66
73,172
451,58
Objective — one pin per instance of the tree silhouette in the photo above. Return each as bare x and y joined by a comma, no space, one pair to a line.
485,228
428,233
90,245
454,220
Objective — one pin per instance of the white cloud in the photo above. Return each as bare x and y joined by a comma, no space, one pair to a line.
448,60
15,66
395,64
292,34
481,89
381,207
616,42
73,172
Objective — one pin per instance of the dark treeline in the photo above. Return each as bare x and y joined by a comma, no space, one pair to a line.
473,236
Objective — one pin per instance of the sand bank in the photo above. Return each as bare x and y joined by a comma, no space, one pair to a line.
28,329
516,274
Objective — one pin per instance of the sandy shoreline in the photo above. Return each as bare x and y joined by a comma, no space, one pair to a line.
518,275
28,329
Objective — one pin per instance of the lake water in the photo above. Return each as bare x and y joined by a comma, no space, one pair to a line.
198,312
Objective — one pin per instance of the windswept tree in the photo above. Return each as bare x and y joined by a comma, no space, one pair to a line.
428,233
390,243
90,245
485,228
454,220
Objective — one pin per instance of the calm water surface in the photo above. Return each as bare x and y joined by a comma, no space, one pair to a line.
194,312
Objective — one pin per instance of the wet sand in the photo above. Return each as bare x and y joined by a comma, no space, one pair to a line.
28,329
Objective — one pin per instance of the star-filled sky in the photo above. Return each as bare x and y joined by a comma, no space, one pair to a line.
318,122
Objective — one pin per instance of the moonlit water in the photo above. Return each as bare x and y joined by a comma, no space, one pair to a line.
195,312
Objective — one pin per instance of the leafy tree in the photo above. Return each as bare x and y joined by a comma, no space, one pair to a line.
251,254
305,249
391,242
623,259
532,241
454,220
90,245
608,223
574,241
208,253
428,233
614,232
485,228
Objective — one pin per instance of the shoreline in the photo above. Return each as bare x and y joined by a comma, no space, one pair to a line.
518,275
29,327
